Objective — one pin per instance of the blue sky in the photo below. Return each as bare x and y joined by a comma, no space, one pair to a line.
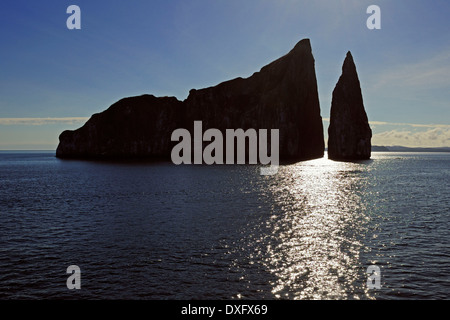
52,78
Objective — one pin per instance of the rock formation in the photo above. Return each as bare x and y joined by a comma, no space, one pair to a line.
349,133
282,95
132,127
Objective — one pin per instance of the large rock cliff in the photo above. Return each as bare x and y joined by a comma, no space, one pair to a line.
132,127
282,95
349,133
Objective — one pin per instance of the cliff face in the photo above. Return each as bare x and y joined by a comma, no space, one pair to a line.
282,95
349,133
132,127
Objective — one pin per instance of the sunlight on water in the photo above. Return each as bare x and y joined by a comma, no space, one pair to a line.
160,231
318,237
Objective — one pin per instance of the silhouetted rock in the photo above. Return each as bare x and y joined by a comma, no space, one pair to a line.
132,127
282,95
349,133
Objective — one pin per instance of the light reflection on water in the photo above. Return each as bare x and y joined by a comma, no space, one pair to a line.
159,231
318,237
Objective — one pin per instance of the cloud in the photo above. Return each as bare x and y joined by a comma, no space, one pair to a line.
408,134
433,137
415,125
42,121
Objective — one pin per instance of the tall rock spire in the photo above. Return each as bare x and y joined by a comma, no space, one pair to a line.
349,133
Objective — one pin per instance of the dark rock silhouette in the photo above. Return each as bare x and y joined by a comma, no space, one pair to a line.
282,95
349,133
132,127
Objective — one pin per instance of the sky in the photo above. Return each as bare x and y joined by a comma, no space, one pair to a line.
53,78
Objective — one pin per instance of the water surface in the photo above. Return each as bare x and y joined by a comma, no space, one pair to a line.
160,231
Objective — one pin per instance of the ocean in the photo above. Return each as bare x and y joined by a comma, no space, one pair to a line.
154,230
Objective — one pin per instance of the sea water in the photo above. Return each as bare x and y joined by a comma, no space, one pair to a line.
140,230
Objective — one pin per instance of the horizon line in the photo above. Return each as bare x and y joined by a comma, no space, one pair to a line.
390,146
36,121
